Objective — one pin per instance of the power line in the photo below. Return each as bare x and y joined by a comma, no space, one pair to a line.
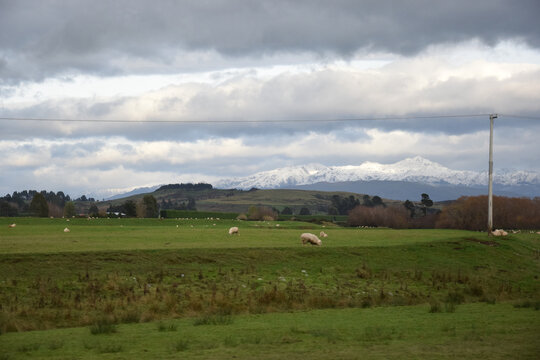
204,121
532,117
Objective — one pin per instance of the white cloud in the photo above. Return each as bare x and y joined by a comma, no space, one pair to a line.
423,85
101,166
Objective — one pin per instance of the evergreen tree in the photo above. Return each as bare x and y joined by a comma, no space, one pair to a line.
7,210
377,201
332,210
93,211
130,208
39,206
150,206
426,202
191,204
366,201
410,207
286,211
69,209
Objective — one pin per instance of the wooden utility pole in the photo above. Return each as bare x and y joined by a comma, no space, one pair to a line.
490,181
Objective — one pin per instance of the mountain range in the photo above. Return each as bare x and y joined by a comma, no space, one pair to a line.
405,179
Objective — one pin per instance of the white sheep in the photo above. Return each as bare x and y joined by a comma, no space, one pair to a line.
311,239
233,230
12,225
66,230
499,232
323,234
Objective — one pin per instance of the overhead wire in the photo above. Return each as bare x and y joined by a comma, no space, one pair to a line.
227,121
531,117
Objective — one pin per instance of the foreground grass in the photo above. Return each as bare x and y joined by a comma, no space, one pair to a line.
358,268
145,288
472,331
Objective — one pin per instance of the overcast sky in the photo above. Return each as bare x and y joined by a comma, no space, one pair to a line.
206,61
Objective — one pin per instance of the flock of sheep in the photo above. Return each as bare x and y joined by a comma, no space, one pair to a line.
307,238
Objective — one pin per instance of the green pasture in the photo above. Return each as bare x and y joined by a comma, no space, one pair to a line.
38,235
150,288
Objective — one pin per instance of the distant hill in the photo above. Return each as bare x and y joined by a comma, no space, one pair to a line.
239,201
403,190
137,191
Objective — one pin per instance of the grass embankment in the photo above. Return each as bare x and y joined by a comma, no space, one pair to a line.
455,287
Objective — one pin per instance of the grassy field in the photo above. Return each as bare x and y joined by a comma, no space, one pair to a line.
186,289
39,235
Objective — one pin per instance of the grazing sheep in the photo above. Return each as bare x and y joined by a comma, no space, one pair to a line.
66,230
499,232
12,225
233,230
323,234
311,239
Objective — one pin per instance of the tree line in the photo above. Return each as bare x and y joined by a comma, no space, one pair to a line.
466,213
188,186
342,205
23,203
147,207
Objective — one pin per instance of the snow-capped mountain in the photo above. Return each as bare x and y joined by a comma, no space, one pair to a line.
416,169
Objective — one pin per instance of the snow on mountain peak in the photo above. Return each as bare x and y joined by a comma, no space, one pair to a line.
415,169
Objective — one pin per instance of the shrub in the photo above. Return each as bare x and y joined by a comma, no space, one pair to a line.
162,327
181,345
391,217
28,347
102,327
110,349
261,213
470,213
455,297
55,344
242,217
213,320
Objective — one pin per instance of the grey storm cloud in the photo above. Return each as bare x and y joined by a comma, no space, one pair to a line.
43,38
